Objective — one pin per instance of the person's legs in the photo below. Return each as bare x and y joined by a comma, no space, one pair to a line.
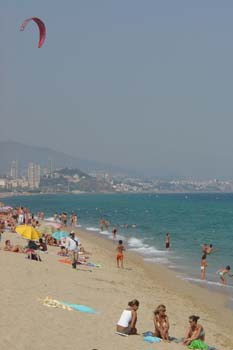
122,265
73,259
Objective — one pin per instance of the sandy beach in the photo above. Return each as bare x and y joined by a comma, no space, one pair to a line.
27,324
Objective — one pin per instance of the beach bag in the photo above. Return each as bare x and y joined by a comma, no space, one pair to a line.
198,344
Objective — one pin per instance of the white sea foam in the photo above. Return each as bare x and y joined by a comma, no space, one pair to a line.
95,229
106,233
49,219
137,245
135,242
210,283
157,260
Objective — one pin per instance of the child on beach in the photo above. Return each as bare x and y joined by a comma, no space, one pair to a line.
161,322
203,267
222,273
120,248
128,319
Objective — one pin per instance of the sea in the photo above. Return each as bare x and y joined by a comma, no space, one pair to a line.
142,221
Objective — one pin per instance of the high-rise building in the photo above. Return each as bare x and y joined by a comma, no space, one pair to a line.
33,175
14,172
50,166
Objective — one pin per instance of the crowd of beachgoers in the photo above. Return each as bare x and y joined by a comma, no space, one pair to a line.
62,233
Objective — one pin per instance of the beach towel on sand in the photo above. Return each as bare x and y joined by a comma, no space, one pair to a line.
151,339
81,308
67,306
65,261
198,344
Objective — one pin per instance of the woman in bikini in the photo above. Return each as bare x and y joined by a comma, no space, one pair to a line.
203,267
195,331
161,322
13,248
128,319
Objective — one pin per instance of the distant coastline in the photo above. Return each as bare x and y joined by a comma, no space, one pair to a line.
22,194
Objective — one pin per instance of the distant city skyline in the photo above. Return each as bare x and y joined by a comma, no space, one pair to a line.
145,86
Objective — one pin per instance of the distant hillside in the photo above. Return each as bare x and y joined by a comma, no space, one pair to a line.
10,150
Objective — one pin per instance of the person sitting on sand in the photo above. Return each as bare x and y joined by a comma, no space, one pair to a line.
194,331
128,319
161,322
32,251
223,272
42,245
62,251
13,248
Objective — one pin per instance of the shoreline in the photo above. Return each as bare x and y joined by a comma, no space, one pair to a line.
183,275
108,290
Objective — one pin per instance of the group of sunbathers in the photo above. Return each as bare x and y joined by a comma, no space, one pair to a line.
128,319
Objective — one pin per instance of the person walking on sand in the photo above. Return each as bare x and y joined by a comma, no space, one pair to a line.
72,250
203,267
222,272
120,257
167,241
127,322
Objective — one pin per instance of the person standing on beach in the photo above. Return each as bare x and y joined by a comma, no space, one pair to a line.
203,267
72,250
222,273
207,249
120,257
114,232
167,241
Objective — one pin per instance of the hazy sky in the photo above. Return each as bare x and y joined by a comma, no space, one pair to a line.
141,83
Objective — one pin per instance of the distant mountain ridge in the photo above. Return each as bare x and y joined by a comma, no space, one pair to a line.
10,150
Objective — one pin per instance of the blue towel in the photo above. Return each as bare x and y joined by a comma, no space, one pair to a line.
151,339
81,308
148,333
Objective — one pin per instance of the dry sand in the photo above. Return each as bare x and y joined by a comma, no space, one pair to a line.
28,325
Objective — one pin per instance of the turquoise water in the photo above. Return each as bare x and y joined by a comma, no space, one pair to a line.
191,219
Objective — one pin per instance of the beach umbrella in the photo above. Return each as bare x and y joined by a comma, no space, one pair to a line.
59,234
28,232
48,230
53,224
6,208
